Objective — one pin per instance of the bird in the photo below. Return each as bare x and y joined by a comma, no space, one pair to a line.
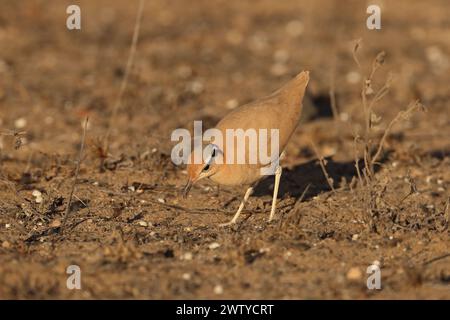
281,111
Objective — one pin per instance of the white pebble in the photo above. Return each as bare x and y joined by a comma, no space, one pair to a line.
218,289
186,276
214,245
143,224
232,103
187,256
355,237
36,193
20,123
161,200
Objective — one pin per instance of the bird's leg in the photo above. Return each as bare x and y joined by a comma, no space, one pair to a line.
248,193
275,192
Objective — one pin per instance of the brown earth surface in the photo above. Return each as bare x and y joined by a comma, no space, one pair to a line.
131,233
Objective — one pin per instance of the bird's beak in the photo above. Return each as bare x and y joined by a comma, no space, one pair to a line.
187,188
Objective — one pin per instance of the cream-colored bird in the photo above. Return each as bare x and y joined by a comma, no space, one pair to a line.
281,110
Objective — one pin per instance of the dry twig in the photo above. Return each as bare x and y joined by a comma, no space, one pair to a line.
77,171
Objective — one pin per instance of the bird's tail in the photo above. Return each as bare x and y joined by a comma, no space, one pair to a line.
294,91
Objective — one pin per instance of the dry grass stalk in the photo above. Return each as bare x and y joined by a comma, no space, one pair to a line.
369,115
413,106
77,171
332,92
369,98
124,83
322,163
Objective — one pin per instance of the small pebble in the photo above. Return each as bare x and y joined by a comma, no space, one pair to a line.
161,200
20,123
354,274
218,289
196,87
355,237
214,245
187,256
232,103
55,223
186,276
6,244
36,193
143,224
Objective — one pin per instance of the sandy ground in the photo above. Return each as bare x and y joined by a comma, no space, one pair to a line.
131,233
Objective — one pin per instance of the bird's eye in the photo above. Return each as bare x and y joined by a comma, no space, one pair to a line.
206,168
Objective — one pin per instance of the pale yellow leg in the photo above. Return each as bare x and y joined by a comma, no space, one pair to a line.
275,192
248,193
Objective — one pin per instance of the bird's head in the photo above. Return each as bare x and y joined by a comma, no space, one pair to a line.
208,166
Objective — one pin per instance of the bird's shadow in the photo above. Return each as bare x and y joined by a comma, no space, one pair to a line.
295,180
